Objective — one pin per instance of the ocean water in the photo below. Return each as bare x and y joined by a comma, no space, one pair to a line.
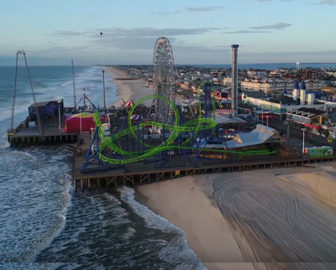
44,223
271,66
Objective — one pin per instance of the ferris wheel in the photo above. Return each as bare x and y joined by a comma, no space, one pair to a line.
163,78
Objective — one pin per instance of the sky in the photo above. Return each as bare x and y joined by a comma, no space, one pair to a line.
52,32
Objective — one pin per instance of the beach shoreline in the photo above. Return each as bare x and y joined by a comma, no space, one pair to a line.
127,90
227,238
208,233
214,254
223,237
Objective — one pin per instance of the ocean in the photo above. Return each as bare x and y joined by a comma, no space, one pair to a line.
44,223
271,66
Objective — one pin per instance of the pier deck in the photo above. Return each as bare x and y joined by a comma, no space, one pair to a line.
141,173
31,135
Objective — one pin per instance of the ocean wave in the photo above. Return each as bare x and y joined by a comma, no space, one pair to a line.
178,251
23,155
57,228
33,266
151,219
111,198
6,112
129,234
5,144
36,195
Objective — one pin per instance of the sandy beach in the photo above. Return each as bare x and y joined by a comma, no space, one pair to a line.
183,202
262,219
128,89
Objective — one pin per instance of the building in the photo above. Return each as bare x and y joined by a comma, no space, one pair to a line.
272,86
307,116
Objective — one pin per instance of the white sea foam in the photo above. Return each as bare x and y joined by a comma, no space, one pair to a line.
129,234
6,112
5,145
151,219
66,203
23,155
111,198
180,250
36,196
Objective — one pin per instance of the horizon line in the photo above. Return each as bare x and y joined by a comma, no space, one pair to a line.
209,64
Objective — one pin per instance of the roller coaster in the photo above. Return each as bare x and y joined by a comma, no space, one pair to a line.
177,136
106,149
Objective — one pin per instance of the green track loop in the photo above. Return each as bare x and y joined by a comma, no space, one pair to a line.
194,125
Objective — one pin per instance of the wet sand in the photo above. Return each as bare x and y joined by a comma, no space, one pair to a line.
184,204
278,218
128,89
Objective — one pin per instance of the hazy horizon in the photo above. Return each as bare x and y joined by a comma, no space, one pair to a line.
268,31
131,64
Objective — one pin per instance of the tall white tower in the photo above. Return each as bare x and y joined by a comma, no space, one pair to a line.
234,85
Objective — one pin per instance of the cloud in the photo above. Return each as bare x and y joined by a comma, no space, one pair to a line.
328,2
154,32
166,12
188,9
203,9
68,33
261,29
320,2
142,38
246,32
276,26
272,0
127,39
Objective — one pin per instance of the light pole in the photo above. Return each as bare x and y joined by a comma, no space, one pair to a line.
286,123
73,84
59,115
104,90
267,119
303,139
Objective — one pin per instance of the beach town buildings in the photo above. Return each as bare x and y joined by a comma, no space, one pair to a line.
272,86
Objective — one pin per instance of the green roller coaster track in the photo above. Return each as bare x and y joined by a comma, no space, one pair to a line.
194,126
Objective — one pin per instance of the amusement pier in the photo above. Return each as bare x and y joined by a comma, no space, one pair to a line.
193,120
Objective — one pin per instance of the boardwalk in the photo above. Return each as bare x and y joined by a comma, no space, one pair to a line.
144,173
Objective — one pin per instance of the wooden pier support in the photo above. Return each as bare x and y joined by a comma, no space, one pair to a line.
110,181
28,140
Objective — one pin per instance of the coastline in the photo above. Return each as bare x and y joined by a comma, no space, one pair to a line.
184,203
210,237
128,89
226,221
